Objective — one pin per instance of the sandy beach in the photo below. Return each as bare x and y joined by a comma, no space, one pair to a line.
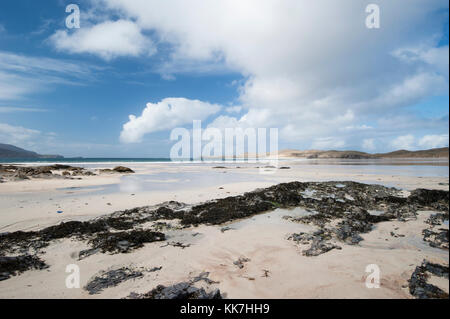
245,258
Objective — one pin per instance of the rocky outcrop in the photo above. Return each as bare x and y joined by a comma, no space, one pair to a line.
182,290
318,242
12,266
436,235
420,288
111,278
117,169
124,242
18,173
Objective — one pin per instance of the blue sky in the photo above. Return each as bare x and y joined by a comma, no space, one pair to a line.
314,71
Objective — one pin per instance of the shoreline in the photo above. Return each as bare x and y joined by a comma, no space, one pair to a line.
263,239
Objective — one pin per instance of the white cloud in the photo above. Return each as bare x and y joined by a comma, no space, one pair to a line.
433,141
327,143
42,65
233,109
369,144
409,142
310,68
109,39
307,63
21,75
438,57
179,65
404,142
10,134
164,115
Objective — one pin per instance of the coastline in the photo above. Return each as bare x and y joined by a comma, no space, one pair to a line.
336,274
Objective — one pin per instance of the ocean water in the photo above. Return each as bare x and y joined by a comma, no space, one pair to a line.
401,167
84,160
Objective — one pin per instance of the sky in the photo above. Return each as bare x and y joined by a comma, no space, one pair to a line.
136,69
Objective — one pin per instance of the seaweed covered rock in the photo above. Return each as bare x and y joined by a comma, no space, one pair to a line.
12,266
318,242
111,278
420,288
437,239
182,290
17,173
123,242
436,235
117,169
437,199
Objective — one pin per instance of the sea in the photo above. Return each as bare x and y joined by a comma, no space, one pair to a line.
73,160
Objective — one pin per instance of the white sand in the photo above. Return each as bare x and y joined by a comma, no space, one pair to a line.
26,205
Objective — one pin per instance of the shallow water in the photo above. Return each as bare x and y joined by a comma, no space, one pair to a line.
275,217
170,181
424,170
375,212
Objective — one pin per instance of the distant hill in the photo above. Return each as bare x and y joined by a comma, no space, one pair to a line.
431,153
11,151
434,152
325,154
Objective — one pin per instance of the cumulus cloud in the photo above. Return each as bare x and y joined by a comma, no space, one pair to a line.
438,57
311,68
433,141
109,39
233,109
11,134
404,142
164,115
409,142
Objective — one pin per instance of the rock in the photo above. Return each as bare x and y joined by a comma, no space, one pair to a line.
123,245
317,241
437,199
19,176
111,278
12,266
88,252
418,286
182,290
117,169
226,228
437,219
17,173
124,241
319,247
437,239
122,169
85,173
240,262
177,244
